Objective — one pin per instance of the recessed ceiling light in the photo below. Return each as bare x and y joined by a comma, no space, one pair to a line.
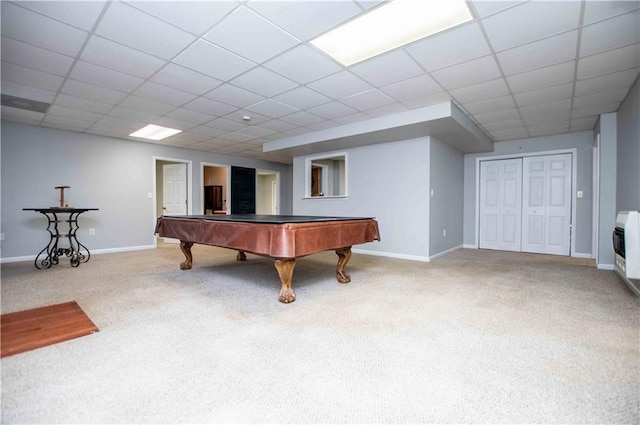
392,25
155,132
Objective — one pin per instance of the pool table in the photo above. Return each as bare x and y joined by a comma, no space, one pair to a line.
281,237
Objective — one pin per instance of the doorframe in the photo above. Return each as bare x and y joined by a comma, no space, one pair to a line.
277,173
154,194
574,176
211,164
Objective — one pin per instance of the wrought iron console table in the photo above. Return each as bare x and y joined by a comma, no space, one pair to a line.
51,252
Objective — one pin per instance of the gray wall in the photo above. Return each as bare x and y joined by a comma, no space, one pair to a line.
389,181
628,155
607,128
114,175
446,206
581,141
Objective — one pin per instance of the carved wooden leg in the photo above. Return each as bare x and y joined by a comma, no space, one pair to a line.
285,271
241,256
344,255
185,247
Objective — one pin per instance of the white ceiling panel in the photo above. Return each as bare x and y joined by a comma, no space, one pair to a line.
263,82
449,48
551,108
534,97
481,91
581,124
468,73
109,54
390,109
181,78
370,99
332,110
484,8
595,110
237,116
272,108
498,116
611,34
278,125
66,123
302,98
247,34
308,19
145,105
199,17
204,57
92,92
549,51
303,64
104,77
598,10
599,98
607,82
136,118
422,85
490,105
432,99
209,106
188,115
63,111
159,92
301,118
542,78
609,62
81,14
33,57
30,77
32,28
388,68
510,134
503,125
83,104
341,84
516,26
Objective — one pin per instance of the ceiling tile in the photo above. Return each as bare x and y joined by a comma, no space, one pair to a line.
610,34
248,34
271,108
233,95
609,62
468,73
600,98
302,98
422,85
66,123
30,77
208,106
308,19
20,90
188,115
115,56
81,14
429,100
135,117
303,64
510,134
543,119
104,77
33,28
595,110
264,82
348,119
597,10
503,125
484,118
390,109
388,68
164,94
63,111
208,131
582,124
551,108
197,18
549,51
543,77
548,129
545,95
91,92
449,48
339,85
131,27
33,57
255,131
278,125
481,91
301,118
332,110
82,104
129,124
370,99
211,60
146,105
607,82
490,105
484,8
256,118
511,28
185,79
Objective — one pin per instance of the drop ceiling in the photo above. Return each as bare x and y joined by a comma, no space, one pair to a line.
518,70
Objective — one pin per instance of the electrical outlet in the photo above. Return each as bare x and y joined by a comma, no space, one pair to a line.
444,233
92,232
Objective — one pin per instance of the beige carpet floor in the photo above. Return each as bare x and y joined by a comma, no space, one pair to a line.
474,337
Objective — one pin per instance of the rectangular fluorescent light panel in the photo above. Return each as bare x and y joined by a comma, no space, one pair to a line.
155,132
392,25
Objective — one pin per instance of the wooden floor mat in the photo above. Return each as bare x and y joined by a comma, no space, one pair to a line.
26,330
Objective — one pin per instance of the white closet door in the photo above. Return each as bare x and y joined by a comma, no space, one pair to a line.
546,204
501,204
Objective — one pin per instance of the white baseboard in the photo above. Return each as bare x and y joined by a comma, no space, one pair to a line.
94,252
605,266
467,246
443,253
391,255
581,255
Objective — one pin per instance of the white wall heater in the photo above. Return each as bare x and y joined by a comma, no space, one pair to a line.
626,244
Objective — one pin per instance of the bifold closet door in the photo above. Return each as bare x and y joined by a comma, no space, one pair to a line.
501,204
546,204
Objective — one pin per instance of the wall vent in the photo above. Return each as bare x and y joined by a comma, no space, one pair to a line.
26,104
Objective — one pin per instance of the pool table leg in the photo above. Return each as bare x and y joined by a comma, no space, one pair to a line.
241,256
344,255
185,247
285,271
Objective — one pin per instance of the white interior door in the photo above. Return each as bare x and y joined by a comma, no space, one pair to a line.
501,204
174,189
546,204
